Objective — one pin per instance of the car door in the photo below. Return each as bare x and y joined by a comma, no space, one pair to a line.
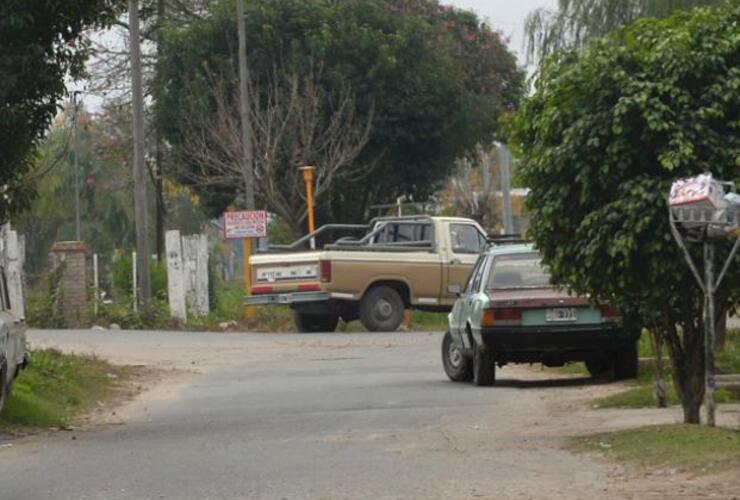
6,331
462,309
465,243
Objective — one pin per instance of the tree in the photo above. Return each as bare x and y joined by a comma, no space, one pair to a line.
600,141
294,124
41,43
576,22
471,190
435,80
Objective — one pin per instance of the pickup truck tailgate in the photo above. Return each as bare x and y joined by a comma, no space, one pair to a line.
279,273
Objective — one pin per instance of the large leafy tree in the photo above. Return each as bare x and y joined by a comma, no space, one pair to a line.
435,80
576,22
40,44
605,133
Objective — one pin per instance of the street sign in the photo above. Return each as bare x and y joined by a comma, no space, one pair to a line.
245,224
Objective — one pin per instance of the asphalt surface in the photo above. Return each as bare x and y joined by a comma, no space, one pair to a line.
320,417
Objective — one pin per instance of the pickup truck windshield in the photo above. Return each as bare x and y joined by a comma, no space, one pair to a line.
518,271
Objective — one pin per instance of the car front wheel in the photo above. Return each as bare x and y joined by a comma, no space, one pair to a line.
458,366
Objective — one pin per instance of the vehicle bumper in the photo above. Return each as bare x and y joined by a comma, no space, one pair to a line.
607,336
286,298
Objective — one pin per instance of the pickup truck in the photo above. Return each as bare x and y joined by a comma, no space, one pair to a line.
400,263
13,356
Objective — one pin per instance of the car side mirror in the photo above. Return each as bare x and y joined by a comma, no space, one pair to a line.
454,290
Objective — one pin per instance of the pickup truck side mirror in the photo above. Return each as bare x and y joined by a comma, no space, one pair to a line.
454,289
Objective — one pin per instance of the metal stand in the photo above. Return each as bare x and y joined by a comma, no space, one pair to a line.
706,225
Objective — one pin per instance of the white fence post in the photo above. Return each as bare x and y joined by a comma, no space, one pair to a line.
175,276
195,257
15,275
96,285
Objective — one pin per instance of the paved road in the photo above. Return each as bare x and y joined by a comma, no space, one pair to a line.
296,417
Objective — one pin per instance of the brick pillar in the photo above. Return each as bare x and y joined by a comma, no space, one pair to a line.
74,279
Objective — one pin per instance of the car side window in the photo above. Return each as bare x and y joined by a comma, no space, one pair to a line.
466,238
474,280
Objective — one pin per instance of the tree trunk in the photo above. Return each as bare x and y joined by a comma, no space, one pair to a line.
687,360
661,398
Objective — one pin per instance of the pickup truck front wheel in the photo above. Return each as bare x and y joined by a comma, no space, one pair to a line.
315,323
381,309
458,366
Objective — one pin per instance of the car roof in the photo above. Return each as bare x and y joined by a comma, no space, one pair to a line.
513,249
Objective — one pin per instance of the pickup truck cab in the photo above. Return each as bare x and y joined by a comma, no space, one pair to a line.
13,356
400,263
510,313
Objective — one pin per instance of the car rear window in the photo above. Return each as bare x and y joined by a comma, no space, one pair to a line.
518,271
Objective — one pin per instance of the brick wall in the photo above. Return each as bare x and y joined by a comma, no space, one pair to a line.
74,280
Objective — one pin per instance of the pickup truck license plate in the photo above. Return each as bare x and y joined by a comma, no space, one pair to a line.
561,314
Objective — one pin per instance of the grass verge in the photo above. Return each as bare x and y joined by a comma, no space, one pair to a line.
641,395
56,388
685,447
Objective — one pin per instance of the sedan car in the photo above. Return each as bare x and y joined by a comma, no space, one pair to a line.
510,313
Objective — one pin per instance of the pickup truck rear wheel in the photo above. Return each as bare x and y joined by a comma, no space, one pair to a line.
381,309
484,366
315,323
458,366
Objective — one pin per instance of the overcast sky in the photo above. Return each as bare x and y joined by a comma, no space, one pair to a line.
506,15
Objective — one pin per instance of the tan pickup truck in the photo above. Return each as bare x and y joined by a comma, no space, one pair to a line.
400,263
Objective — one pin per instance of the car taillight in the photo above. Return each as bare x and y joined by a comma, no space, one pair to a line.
501,316
325,271
610,313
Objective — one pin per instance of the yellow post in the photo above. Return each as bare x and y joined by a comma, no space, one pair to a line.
407,321
308,177
250,312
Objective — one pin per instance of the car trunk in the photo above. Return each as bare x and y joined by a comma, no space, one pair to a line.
543,306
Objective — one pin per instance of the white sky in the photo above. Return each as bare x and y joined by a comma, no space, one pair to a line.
507,16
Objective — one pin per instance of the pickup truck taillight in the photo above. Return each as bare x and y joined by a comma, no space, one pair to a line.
501,316
325,271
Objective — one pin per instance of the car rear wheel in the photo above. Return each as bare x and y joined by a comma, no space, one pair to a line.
484,366
626,362
599,366
458,366
315,323
381,309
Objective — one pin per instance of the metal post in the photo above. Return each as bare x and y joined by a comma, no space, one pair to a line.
308,178
96,284
505,168
250,312
78,228
134,284
709,332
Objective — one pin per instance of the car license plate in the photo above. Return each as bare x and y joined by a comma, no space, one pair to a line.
561,314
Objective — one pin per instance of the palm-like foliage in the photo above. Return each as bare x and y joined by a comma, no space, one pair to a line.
577,21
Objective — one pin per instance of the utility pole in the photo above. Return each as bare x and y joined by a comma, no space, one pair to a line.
158,163
505,167
78,224
247,153
140,197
